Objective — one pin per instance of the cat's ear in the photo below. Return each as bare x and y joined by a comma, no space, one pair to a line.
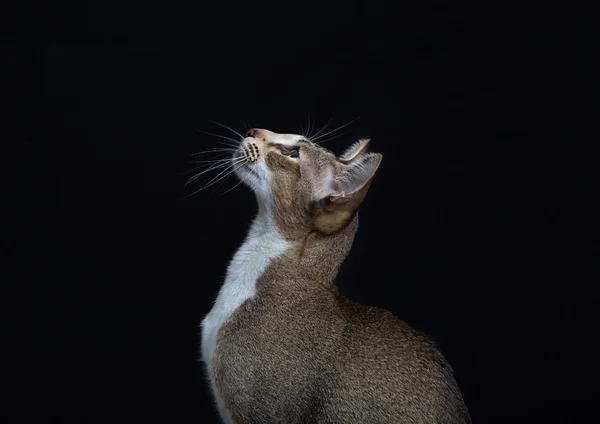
354,151
353,182
347,191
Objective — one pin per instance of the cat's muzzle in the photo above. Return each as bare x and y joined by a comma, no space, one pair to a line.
250,152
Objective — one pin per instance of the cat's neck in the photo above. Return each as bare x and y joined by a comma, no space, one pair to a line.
262,245
313,260
269,262
267,256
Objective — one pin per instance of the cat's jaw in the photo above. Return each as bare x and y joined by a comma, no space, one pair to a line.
250,165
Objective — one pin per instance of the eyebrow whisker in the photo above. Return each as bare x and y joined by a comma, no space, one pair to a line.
334,130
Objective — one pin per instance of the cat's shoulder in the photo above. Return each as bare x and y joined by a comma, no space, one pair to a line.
377,324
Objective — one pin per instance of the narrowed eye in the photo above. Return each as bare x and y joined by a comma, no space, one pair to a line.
292,152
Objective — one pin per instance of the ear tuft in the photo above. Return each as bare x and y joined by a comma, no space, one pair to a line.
356,175
354,151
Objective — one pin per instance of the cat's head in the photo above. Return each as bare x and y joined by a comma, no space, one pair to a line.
303,186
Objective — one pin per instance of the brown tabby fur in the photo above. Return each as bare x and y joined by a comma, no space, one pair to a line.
299,352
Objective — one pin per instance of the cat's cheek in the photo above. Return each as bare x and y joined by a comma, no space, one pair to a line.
321,180
297,172
306,171
274,162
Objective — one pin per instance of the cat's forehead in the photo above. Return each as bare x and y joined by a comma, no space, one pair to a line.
292,140
286,139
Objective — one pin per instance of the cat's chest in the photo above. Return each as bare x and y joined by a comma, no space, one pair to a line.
274,349
246,267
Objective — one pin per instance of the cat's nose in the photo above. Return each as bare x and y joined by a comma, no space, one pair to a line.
256,133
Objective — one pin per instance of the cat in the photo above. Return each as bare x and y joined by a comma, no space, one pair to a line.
280,344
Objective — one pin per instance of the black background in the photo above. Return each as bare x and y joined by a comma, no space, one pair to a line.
478,228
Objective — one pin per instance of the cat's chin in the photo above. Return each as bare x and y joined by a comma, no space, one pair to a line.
248,174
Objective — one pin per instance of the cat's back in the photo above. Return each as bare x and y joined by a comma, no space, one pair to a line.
372,332
328,359
389,372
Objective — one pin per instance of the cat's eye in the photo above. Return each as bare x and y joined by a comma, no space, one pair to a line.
293,152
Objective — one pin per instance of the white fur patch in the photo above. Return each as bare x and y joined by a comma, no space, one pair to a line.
262,245
285,139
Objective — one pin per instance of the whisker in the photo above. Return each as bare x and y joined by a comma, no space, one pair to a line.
334,130
228,128
227,176
216,150
217,178
221,176
240,163
224,166
321,130
212,167
202,166
309,129
234,141
302,132
215,162
242,179
332,137
227,159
